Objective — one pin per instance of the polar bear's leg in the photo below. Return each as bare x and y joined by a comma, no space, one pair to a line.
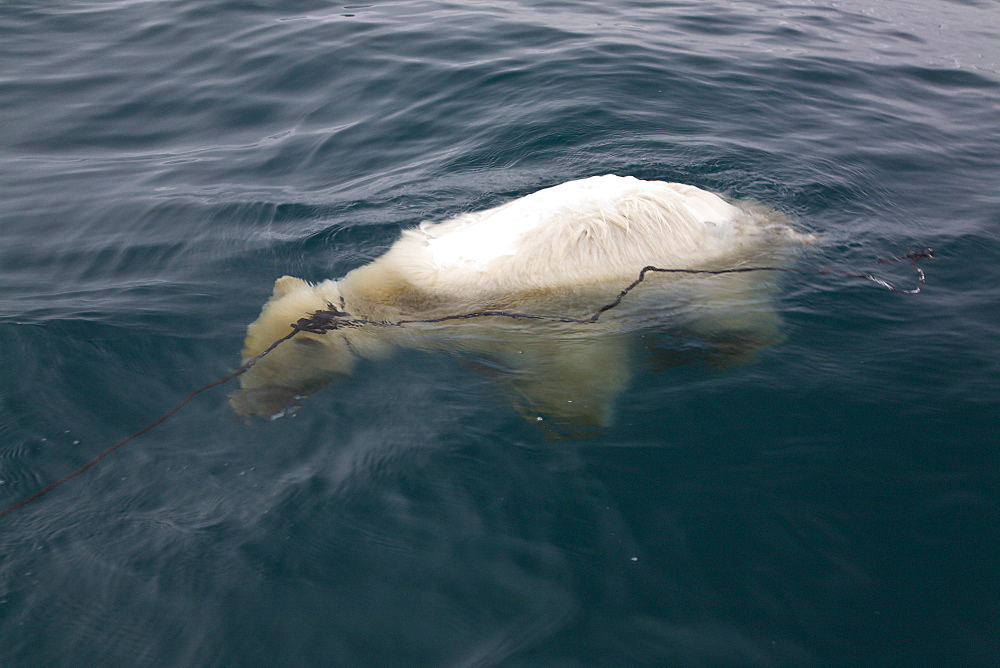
569,383
736,319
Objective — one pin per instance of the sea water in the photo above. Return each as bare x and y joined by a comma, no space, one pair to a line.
833,502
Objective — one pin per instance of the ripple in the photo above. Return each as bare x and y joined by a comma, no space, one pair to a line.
164,162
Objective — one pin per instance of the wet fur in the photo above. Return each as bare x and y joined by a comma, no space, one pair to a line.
562,250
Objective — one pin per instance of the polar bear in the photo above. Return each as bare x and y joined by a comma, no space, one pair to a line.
564,250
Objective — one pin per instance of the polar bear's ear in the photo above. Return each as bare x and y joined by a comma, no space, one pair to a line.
287,284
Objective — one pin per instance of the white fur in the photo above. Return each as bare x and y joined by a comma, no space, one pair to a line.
596,230
476,240
561,247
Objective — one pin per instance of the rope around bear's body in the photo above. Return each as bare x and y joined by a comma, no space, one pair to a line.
325,320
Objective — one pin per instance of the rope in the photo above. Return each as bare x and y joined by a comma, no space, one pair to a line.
325,320
225,379
331,318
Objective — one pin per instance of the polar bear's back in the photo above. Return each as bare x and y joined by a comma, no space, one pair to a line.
597,230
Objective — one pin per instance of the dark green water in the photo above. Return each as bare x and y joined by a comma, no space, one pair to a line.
837,502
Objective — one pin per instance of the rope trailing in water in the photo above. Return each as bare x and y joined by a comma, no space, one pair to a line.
225,379
325,320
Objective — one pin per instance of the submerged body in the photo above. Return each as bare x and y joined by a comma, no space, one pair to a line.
561,249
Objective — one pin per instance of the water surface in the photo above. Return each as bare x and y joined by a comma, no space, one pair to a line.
834,502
